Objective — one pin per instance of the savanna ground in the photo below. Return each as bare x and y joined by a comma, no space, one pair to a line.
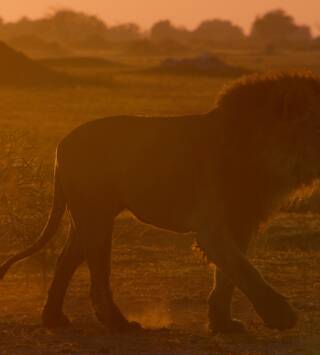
157,280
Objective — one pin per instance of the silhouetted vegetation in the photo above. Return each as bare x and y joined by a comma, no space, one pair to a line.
206,64
165,30
45,97
63,26
278,28
123,33
219,32
75,30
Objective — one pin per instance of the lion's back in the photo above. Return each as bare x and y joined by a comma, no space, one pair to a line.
132,152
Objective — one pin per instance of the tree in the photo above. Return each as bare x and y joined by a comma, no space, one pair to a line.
124,33
164,31
62,26
71,26
219,31
277,27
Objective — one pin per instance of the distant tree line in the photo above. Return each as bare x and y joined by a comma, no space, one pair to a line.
280,29
275,28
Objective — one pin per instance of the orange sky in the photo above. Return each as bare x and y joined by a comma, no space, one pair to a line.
181,12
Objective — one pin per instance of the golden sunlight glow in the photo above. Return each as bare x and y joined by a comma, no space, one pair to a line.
182,12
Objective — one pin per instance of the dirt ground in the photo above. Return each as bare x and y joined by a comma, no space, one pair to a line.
157,279
161,283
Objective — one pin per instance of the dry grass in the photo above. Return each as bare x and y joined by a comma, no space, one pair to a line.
157,280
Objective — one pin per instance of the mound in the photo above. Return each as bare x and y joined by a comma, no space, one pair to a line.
18,70
206,64
34,44
79,62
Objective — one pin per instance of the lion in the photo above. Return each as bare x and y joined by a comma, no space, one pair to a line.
219,174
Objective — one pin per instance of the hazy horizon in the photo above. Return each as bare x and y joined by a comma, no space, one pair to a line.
180,12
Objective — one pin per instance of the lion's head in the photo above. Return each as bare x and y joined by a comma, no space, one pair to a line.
271,137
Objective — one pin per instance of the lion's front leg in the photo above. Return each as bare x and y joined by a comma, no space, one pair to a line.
269,304
220,298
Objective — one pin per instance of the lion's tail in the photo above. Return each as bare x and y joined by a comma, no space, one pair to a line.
57,211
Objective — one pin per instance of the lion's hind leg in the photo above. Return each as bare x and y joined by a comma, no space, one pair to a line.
95,224
71,257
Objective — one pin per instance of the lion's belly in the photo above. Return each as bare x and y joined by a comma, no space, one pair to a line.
168,194
162,205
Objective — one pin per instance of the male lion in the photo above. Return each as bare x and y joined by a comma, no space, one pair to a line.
219,174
